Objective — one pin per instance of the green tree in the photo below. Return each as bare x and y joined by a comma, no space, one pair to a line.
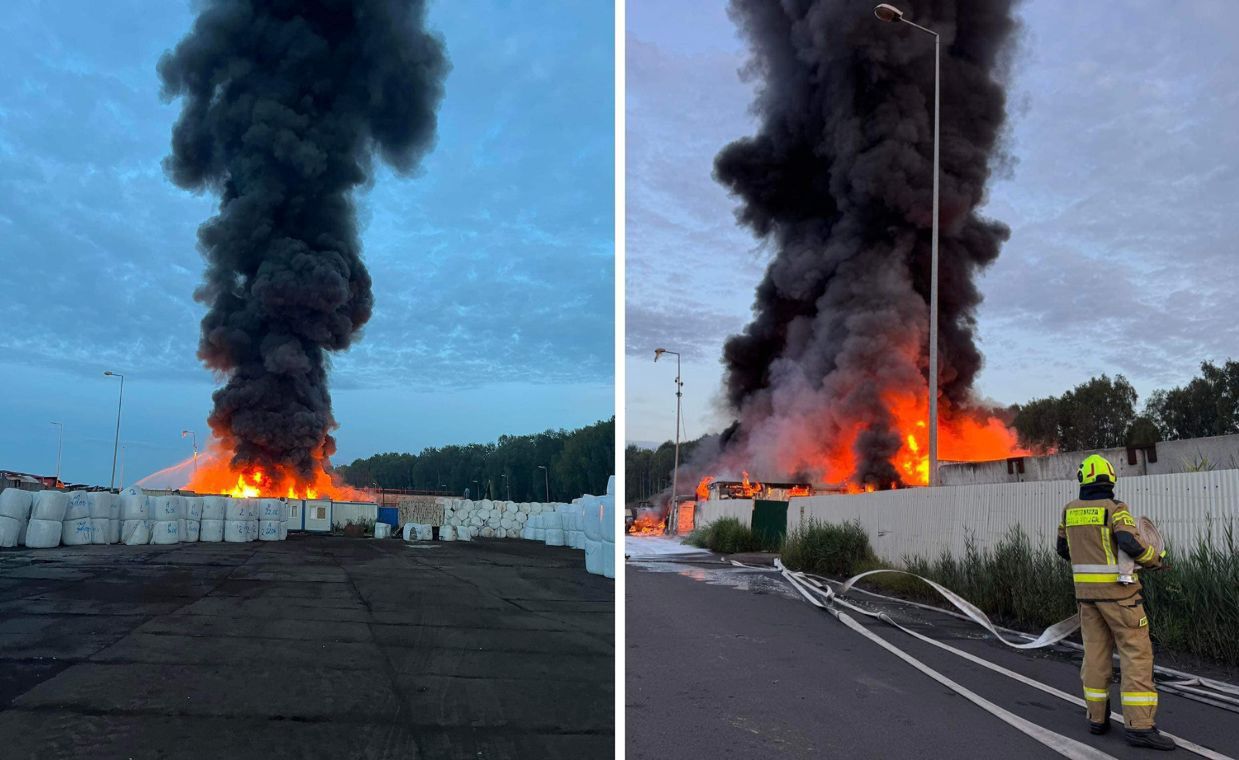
1207,405
1094,415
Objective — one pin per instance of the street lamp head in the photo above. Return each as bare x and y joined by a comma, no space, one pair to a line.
107,373
888,12
658,352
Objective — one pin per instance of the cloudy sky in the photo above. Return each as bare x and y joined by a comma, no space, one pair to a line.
493,268
1121,202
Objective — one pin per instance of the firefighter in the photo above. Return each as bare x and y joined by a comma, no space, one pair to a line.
1090,532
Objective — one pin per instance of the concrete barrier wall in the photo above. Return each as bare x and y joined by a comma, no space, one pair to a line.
926,522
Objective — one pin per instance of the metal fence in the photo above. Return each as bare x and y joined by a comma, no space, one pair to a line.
927,521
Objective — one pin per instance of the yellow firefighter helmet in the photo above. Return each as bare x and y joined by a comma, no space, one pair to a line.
1096,469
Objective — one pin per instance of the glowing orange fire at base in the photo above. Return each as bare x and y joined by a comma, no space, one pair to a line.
214,474
648,523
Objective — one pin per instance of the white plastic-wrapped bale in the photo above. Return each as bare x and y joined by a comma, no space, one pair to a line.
270,509
464,533
447,533
135,532
14,513
193,531
487,532
236,531
269,530
50,506
77,506
77,532
10,531
43,534
536,508
166,532
211,531
134,505
164,509
213,507
15,504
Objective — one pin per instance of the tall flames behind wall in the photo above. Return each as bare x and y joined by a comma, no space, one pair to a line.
284,105
829,380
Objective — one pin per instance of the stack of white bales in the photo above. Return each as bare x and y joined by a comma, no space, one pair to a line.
75,528
104,518
594,545
166,516
14,514
269,519
135,513
211,528
193,519
47,514
237,520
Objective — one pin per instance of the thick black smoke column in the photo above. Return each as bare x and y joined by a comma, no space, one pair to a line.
838,181
284,103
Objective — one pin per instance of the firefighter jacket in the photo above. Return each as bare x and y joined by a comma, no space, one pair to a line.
1090,533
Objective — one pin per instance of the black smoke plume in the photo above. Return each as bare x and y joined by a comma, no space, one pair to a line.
285,102
837,182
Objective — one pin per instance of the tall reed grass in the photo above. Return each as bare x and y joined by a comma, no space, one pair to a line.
1193,606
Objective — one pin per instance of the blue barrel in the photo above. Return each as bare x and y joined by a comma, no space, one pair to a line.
389,515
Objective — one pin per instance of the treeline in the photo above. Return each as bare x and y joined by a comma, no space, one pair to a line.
1101,413
580,462
648,471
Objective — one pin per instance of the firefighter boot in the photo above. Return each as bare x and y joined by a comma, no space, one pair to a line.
1150,738
1104,726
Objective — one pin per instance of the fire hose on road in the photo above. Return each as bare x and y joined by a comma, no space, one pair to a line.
821,595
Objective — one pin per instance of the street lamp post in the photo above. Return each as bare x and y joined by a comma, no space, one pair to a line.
508,484
194,437
60,445
119,401
887,12
675,472
546,475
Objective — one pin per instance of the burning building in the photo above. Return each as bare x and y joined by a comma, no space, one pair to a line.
284,106
829,381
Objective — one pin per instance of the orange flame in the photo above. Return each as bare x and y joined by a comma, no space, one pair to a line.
648,522
703,488
750,489
214,474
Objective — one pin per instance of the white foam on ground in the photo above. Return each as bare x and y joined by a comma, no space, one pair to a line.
657,546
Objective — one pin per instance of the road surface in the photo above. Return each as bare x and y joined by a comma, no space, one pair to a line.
729,663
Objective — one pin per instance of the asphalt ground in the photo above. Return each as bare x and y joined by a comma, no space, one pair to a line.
316,647
729,663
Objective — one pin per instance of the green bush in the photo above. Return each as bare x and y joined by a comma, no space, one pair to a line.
828,549
728,536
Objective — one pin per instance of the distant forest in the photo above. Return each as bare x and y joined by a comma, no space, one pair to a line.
579,461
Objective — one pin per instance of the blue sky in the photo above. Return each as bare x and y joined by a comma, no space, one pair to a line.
493,267
1121,203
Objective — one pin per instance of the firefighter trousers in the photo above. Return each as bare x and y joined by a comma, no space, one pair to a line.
1103,626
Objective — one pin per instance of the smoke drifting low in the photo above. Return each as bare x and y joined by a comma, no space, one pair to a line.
837,181
284,104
